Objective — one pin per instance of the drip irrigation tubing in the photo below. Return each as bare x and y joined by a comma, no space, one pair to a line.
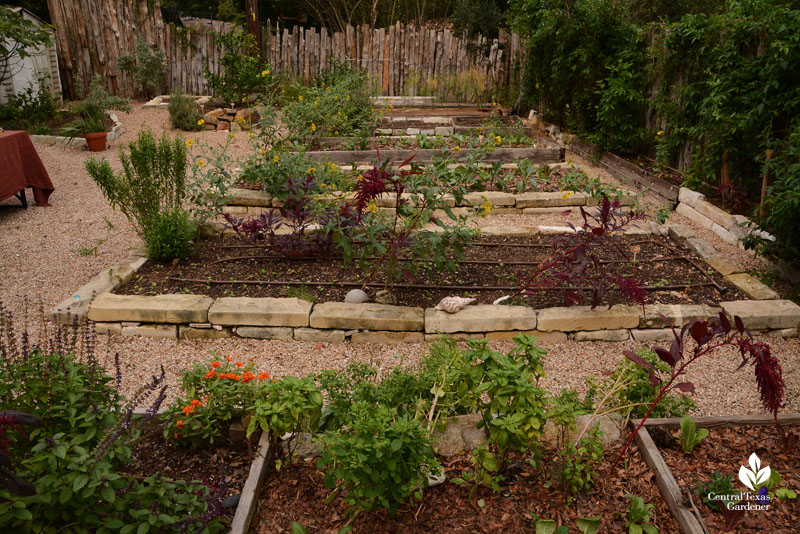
413,286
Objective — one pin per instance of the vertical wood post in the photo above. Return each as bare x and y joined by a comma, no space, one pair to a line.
254,23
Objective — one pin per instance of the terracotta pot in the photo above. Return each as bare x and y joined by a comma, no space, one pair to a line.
96,141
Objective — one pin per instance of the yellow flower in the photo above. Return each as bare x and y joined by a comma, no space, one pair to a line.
244,99
310,170
250,135
275,159
486,207
660,132
327,88
232,136
372,208
347,97
201,122
498,139
201,163
262,151
300,97
566,194
189,142
458,148
313,127
333,186
391,106
264,72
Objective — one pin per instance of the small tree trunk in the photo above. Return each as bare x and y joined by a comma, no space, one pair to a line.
724,178
764,185
254,23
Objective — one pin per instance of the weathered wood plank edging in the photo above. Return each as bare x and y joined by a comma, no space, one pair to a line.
619,166
670,489
249,497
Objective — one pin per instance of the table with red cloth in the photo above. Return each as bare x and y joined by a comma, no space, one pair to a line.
20,167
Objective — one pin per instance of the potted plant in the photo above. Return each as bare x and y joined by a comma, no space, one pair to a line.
91,121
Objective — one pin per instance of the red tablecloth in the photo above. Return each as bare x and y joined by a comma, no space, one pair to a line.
20,167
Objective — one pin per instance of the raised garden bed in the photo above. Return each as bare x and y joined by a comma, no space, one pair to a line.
200,316
544,152
228,459
494,267
449,507
730,443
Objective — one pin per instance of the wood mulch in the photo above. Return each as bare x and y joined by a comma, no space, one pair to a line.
298,494
724,451
243,272
208,464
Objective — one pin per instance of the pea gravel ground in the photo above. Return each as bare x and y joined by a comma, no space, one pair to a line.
49,252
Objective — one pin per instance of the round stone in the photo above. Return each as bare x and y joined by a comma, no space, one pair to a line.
356,296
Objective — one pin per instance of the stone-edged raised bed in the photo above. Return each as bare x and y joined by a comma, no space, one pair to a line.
251,202
199,316
682,508
79,142
547,153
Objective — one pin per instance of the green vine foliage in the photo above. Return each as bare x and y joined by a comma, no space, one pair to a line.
708,86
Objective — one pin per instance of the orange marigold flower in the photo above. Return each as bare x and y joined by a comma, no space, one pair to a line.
263,376
248,376
179,424
215,364
239,364
196,402
188,409
206,399
211,374
228,358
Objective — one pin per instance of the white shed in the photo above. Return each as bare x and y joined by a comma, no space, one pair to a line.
42,62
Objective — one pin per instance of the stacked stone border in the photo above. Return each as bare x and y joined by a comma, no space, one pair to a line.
436,125
201,317
251,202
79,142
548,152
670,489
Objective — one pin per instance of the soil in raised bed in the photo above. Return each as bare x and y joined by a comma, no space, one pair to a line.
244,276
507,180
153,454
298,494
723,451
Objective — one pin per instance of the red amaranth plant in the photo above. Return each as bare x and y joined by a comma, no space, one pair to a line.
576,264
709,335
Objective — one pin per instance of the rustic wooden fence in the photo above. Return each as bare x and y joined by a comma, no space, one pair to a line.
402,59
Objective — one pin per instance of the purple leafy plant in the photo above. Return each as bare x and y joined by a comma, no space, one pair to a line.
576,266
709,335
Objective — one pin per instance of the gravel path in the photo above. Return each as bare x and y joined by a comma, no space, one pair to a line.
41,258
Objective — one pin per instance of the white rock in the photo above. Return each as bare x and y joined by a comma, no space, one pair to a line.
454,304
356,296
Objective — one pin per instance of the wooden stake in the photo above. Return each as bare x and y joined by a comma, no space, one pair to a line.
764,184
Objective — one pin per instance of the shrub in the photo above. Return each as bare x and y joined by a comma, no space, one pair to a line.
169,235
244,72
149,190
147,66
92,111
183,112
74,461
379,459
32,108
340,106
639,392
